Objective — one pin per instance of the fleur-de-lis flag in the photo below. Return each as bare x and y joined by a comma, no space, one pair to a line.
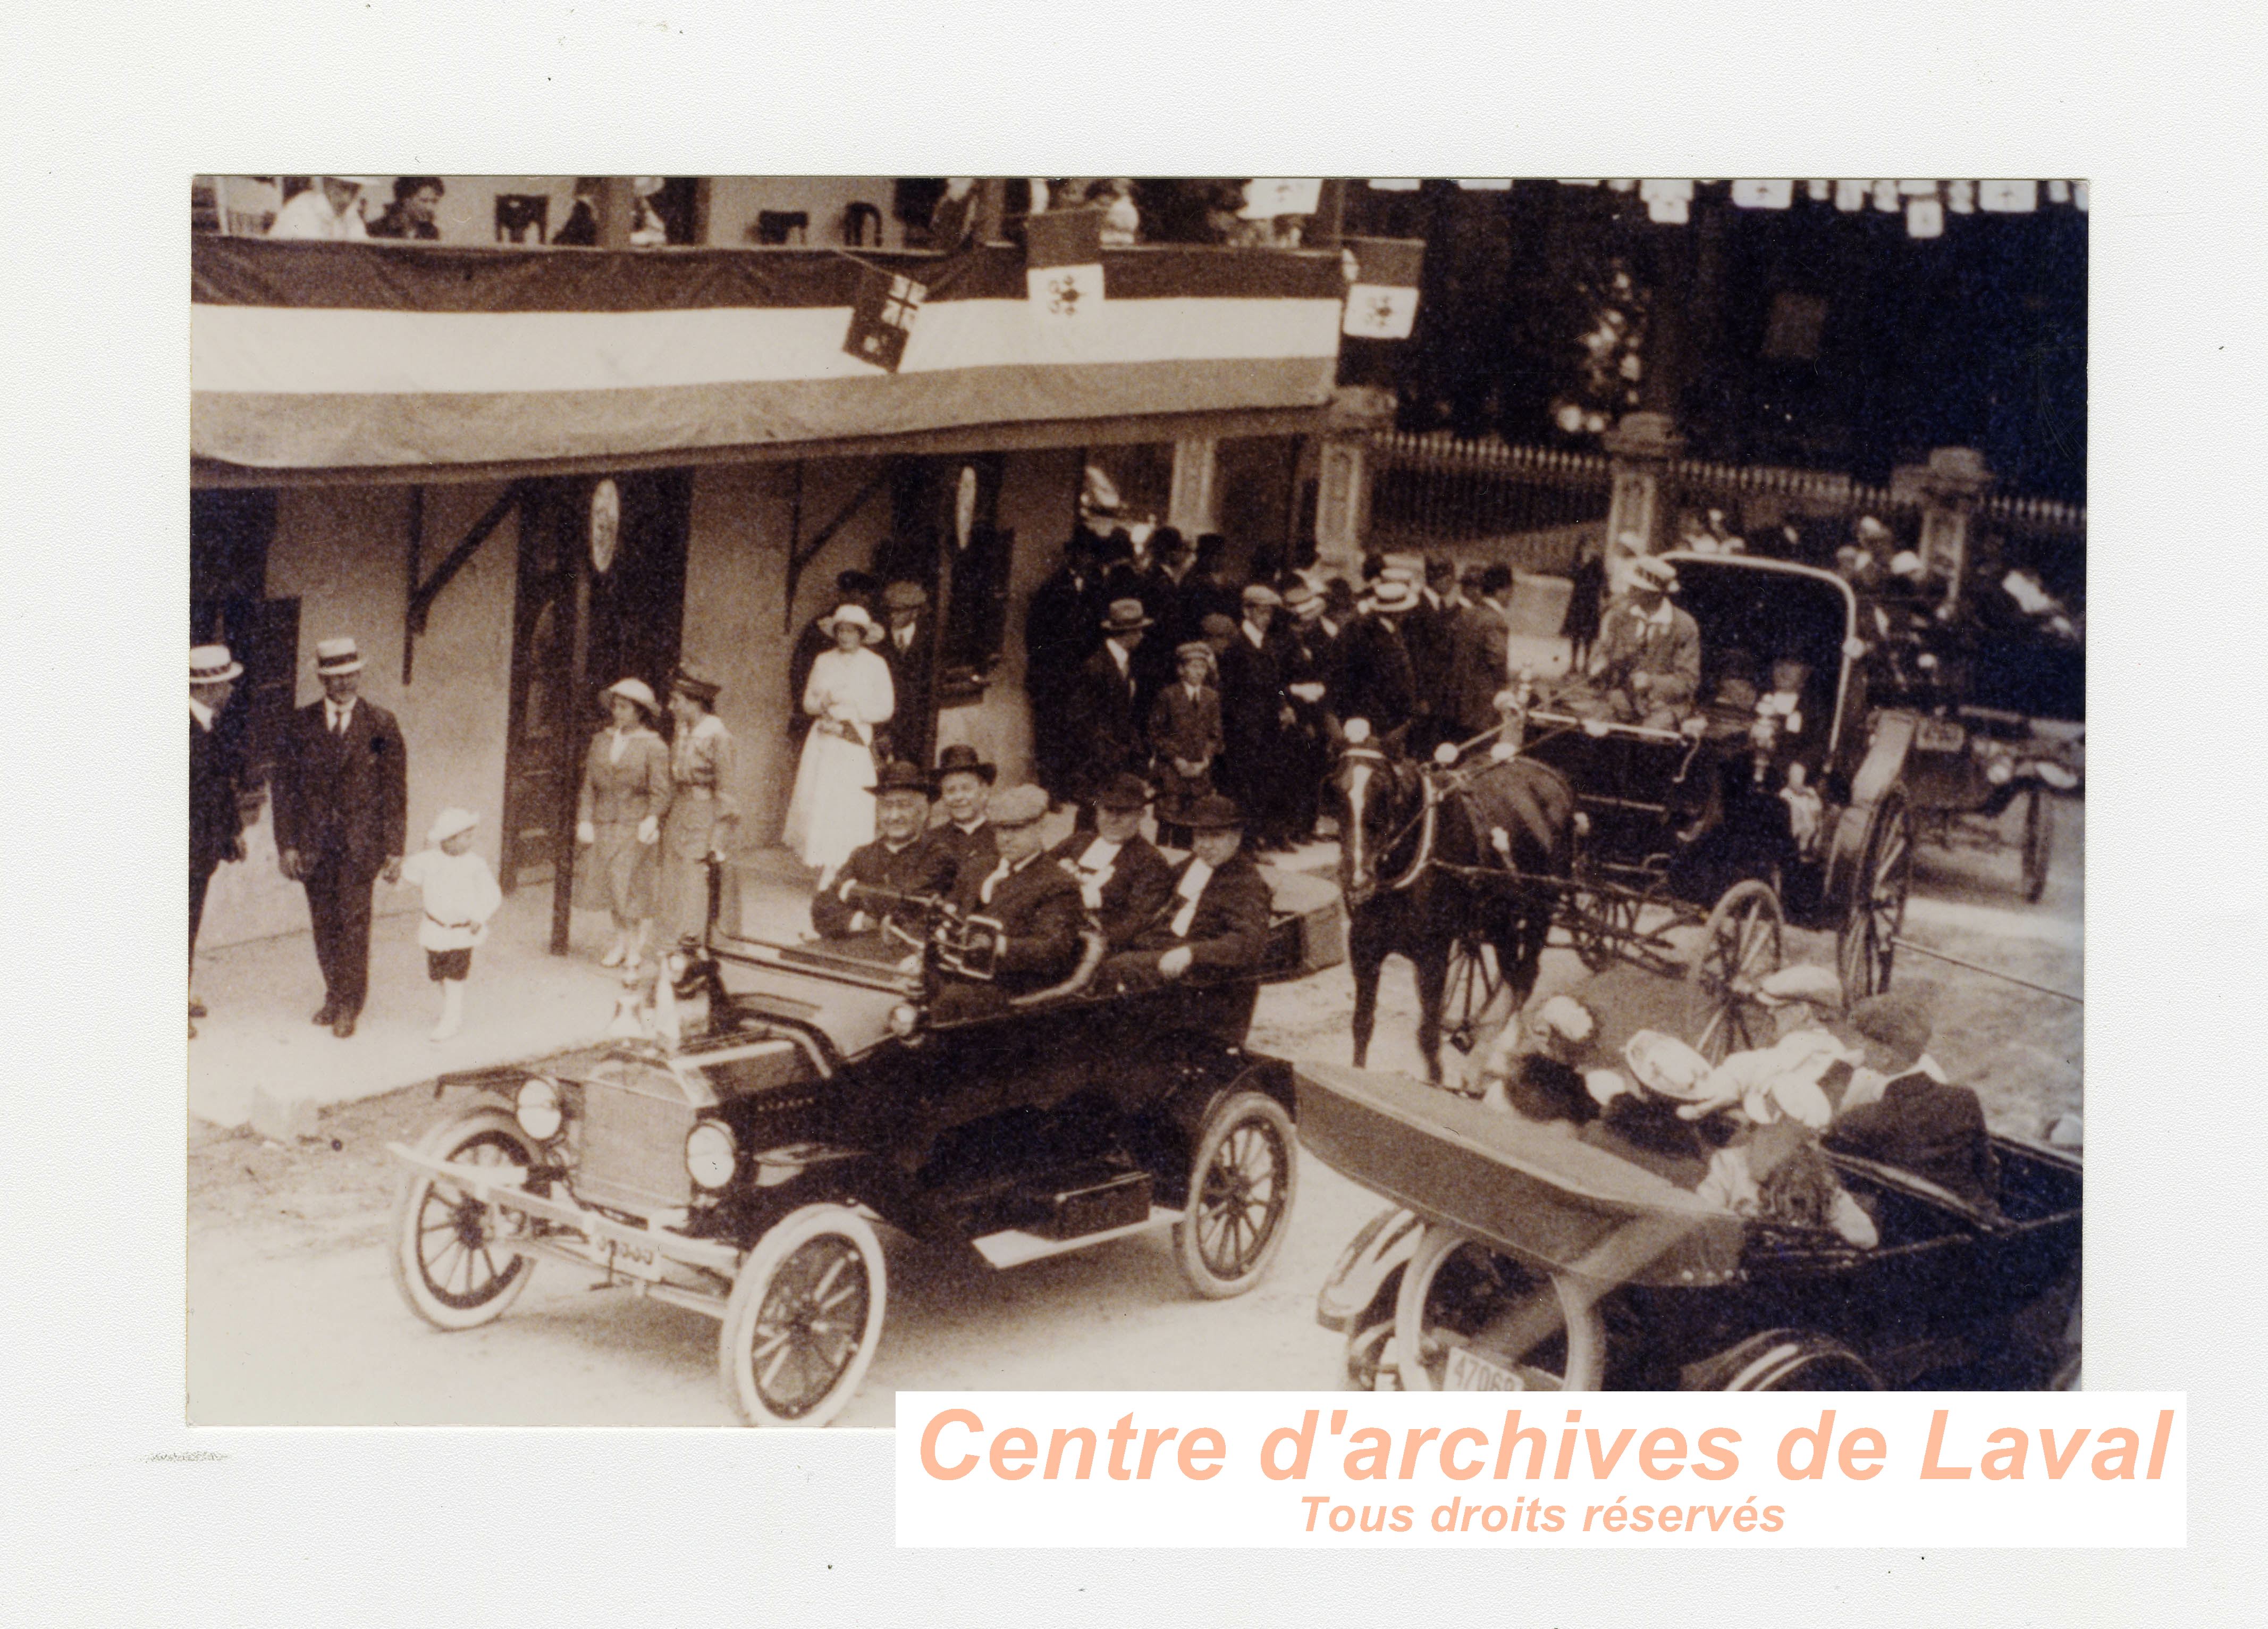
1381,300
883,308
1063,264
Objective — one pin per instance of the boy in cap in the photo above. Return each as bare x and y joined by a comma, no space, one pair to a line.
1916,1119
342,811
1185,734
460,896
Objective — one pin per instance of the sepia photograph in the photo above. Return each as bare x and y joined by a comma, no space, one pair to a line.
805,786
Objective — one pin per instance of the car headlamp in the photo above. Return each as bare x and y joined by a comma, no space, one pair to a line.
537,1109
905,1018
1999,771
711,1152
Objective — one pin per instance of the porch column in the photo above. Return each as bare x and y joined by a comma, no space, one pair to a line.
1952,484
1641,446
1342,503
1193,508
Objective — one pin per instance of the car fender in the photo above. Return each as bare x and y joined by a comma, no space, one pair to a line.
1784,1359
1367,1270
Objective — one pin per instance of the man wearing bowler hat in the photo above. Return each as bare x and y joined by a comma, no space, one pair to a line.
1121,877
902,859
1214,919
216,784
341,808
1106,724
962,827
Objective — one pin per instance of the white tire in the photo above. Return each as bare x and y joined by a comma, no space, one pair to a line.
805,1317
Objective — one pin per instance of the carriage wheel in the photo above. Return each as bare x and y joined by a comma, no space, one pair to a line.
2039,841
1740,949
1602,928
1878,902
1541,1331
1471,992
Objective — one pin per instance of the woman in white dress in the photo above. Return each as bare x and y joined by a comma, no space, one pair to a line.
832,811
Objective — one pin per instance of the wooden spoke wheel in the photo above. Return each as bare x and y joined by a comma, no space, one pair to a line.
1471,994
804,1320
2039,843
1740,949
1516,1328
1243,1178
1877,905
1602,926
452,1258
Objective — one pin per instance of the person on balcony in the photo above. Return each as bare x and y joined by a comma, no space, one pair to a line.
410,215
329,211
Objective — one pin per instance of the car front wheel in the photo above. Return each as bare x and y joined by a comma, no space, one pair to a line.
453,1259
805,1317
1244,1176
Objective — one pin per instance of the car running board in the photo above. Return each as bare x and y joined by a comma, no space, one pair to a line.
1014,1247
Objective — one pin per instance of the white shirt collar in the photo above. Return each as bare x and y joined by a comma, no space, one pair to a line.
971,829
201,713
1099,853
1658,617
1259,639
339,713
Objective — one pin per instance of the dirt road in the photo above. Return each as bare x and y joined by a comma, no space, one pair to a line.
294,1319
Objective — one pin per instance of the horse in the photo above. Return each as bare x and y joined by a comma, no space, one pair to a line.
1412,839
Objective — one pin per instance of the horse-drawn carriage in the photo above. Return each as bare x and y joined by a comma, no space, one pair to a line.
1565,826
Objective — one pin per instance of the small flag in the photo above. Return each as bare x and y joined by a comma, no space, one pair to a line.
1763,194
1924,218
1961,198
1668,201
1381,302
2008,197
1265,200
883,311
1063,262
1850,196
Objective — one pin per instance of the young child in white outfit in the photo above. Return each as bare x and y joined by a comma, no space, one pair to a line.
460,896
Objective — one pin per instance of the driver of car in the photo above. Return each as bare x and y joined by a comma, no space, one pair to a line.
1647,668
1037,904
1215,919
904,858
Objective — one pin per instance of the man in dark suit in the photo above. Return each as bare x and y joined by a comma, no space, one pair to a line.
1121,878
1106,727
1478,668
1255,709
1374,677
902,859
216,784
1059,634
909,646
1037,903
1214,920
964,785
1919,1121
1308,658
342,805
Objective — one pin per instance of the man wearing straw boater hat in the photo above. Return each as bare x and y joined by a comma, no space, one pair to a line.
1648,662
216,783
342,810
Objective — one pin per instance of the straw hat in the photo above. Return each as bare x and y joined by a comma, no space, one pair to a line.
211,664
1651,571
334,657
635,690
449,823
869,629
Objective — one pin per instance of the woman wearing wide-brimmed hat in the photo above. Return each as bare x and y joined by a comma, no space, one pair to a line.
832,809
704,811
626,792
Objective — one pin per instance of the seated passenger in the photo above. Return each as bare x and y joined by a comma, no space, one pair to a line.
903,859
964,790
1806,1071
1905,1112
1647,667
1037,904
1778,1175
1121,877
1214,919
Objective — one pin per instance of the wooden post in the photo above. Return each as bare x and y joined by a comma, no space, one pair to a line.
991,208
617,212
570,734
409,594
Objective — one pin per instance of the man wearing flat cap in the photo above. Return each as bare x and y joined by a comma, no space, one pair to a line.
1121,877
1105,721
906,645
1915,1119
1037,903
342,811
902,859
1647,665
1214,919
216,786
1254,710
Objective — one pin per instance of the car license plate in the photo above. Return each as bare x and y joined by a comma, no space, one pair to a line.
1468,1371
1939,735
634,1261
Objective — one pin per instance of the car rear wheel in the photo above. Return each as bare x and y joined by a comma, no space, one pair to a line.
453,1260
1518,1329
1243,1178
803,1319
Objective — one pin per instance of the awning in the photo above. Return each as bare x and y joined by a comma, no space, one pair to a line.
341,357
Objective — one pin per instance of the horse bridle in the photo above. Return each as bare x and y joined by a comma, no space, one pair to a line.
1424,821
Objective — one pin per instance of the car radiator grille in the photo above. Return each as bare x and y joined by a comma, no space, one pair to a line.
633,1148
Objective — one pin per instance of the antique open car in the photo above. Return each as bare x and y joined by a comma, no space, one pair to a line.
1522,1253
1810,802
738,1167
